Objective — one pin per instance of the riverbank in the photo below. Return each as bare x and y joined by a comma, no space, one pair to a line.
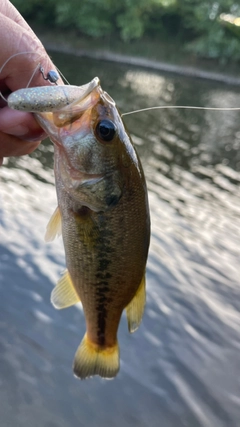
167,57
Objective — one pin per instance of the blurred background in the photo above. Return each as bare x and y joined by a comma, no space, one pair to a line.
174,30
181,368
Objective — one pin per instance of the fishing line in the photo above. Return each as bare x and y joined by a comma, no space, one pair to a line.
1,95
182,107
38,67
16,54
13,56
160,107
33,74
64,78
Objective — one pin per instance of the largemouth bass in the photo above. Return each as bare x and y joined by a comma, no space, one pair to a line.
102,212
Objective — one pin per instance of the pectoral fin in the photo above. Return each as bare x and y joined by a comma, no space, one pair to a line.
64,294
87,227
135,308
54,227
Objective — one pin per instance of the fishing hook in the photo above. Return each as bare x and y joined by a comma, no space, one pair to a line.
52,76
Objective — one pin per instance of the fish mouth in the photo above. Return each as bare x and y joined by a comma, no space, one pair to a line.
82,92
89,87
88,96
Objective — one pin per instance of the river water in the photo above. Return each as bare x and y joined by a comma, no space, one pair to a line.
182,366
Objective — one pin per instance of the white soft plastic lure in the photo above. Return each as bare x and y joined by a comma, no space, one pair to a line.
49,98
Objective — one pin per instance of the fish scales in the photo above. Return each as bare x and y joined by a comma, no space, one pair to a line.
103,214
106,249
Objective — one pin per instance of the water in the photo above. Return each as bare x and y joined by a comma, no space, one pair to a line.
181,368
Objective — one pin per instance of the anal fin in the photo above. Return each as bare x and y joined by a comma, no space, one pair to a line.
64,294
135,308
54,227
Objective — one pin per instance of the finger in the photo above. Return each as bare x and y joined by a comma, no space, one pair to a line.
17,71
11,12
13,146
20,124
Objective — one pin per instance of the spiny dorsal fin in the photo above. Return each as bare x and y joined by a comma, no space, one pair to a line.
92,359
135,308
64,294
54,227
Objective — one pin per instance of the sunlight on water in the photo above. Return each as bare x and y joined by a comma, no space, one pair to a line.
145,84
182,365
26,206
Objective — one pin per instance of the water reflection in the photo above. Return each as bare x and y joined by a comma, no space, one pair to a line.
143,83
182,366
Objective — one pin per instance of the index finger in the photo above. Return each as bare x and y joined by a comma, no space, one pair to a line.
11,12
16,68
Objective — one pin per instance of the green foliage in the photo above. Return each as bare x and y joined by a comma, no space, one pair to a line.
90,17
40,11
127,18
99,18
194,22
209,37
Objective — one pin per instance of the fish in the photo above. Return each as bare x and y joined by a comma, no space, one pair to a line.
102,214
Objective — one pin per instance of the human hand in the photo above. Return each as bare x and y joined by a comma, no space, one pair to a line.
19,132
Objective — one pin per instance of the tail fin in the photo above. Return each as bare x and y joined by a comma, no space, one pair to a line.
91,359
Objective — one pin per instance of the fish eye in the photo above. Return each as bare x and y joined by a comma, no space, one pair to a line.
106,130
